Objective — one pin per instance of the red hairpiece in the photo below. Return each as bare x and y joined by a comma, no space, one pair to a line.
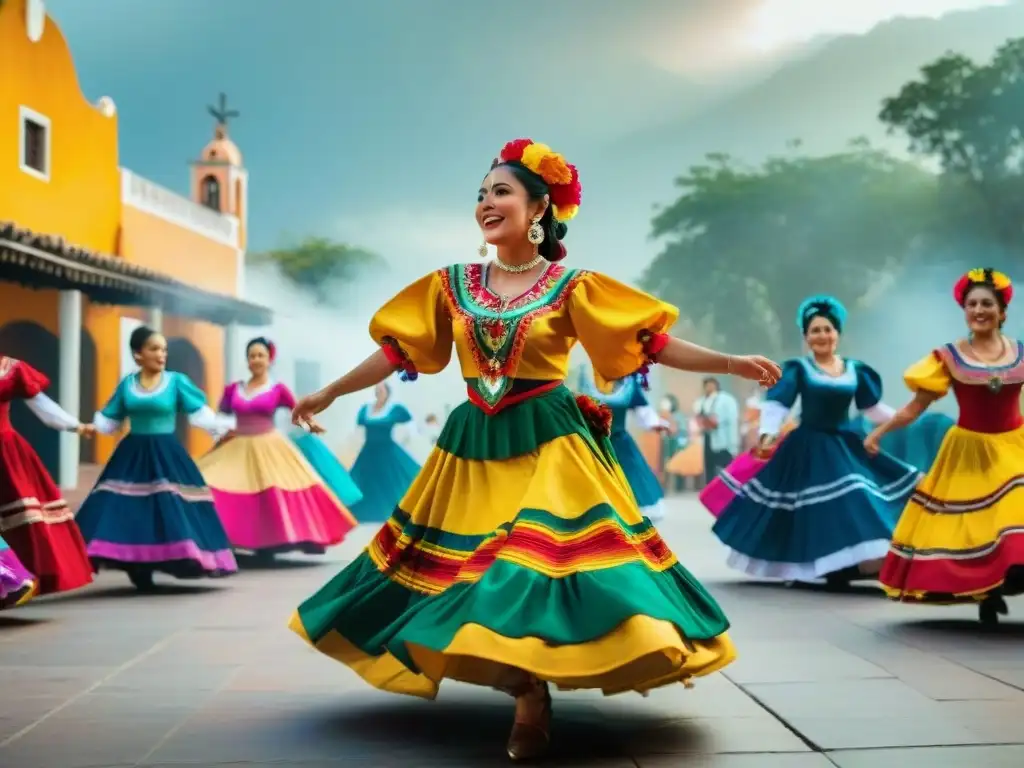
271,350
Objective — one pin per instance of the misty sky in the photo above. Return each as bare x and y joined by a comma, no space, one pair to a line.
372,122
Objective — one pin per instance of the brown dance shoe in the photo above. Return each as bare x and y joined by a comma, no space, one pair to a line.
529,741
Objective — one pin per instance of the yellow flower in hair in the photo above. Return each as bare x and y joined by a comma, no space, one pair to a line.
564,212
547,164
999,281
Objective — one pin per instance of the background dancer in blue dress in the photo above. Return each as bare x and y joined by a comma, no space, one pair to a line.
383,470
628,395
821,506
918,444
327,466
150,510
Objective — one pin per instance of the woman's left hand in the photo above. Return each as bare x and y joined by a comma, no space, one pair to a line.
755,368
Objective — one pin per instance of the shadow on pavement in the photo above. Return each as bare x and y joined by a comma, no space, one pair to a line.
476,733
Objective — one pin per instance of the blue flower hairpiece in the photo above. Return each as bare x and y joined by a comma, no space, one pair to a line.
825,306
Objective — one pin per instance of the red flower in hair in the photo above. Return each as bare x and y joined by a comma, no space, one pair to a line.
570,193
597,415
513,151
271,350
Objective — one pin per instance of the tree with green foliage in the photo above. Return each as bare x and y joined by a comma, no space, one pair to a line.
316,263
743,246
970,117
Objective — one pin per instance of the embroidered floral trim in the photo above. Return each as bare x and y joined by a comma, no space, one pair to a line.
966,373
399,359
496,332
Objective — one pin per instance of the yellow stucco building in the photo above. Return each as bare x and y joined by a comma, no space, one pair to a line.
88,249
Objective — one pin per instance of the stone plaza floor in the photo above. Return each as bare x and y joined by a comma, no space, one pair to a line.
207,674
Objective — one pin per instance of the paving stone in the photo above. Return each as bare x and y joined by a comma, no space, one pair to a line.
208,675
932,757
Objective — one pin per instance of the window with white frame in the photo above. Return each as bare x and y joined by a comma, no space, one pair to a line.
34,143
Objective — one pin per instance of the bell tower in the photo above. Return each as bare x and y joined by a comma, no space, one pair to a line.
219,180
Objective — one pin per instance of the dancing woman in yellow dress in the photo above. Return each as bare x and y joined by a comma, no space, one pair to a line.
518,557
961,535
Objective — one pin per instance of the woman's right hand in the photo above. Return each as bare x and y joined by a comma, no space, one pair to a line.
308,407
871,444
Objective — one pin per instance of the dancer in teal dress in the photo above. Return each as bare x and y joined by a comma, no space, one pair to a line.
151,511
383,470
327,467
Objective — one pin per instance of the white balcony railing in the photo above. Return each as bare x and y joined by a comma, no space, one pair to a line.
150,197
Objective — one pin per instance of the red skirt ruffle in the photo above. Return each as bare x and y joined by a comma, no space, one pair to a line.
36,522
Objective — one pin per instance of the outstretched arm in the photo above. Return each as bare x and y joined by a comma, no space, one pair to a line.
904,417
686,356
372,371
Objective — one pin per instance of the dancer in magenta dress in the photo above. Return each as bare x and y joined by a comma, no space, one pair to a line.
268,496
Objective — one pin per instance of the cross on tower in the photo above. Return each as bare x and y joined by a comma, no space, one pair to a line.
221,113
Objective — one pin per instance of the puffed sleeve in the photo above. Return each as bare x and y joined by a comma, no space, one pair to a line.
928,374
192,401
622,329
637,396
869,387
190,397
414,329
780,399
400,414
227,398
285,397
109,419
28,381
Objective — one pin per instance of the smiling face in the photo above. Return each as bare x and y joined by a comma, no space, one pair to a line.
504,210
822,337
152,358
982,310
259,359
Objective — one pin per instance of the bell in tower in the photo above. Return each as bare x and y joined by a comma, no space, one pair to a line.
219,180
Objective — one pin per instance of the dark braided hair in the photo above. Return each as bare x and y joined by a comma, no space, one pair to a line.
536,188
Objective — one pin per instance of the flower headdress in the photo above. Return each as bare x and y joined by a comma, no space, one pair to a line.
828,307
997,281
561,177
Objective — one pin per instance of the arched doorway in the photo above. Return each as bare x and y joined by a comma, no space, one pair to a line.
183,357
39,348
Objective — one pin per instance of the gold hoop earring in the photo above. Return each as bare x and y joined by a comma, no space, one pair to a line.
482,250
535,234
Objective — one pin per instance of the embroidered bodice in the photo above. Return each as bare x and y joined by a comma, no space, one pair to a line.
154,411
525,339
18,381
254,411
825,400
380,424
984,405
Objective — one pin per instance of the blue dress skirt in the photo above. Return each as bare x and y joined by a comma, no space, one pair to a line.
151,510
918,444
821,505
328,468
383,471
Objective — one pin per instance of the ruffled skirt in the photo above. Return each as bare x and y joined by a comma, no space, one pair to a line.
17,585
961,535
151,511
820,505
383,471
519,546
37,522
329,469
270,499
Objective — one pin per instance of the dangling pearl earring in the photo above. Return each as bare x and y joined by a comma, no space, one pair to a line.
482,250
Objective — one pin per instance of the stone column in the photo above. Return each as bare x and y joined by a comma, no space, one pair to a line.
232,353
70,372
156,319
